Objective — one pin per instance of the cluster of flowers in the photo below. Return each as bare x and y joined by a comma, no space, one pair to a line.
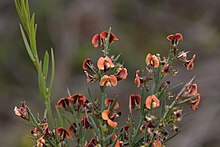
99,115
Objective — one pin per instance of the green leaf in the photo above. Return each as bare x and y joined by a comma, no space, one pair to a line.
41,82
27,44
92,122
90,94
32,36
68,91
46,64
27,8
107,43
59,117
52,69
116,58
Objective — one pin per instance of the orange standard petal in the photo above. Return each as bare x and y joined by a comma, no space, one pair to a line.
105,63
96,40
153,101
112,123
109,61
105,114
100,63
155,61
170,37
152,60
104,35
179,36
103,80
148,59
176,37
113,80
122,74
86,64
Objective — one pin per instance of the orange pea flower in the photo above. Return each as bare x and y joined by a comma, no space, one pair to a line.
108,81
137,80
122,74
98,40
105,63
195,104
90,78
134,102
166,68
176,37
118,142
64,102
92,143
192,90
41,142
157,143
78,100
109,102
22,111
152,100
104,36
85,123
63,134
105,116
87,63
190,64
152,60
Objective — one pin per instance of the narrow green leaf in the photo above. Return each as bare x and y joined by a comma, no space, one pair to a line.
172,136
109,137
18,8
176,86
52,69
27,44
32,36
92,122
116,58
59,117
46,64
27,8
80,132
186,100
68,91
90,94
107,42
41,82
113,104
25,14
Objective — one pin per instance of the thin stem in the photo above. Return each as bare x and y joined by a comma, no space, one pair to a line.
103,97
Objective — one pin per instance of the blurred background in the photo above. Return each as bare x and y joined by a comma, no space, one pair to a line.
141,26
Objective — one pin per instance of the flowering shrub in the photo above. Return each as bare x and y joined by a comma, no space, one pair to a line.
85,121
